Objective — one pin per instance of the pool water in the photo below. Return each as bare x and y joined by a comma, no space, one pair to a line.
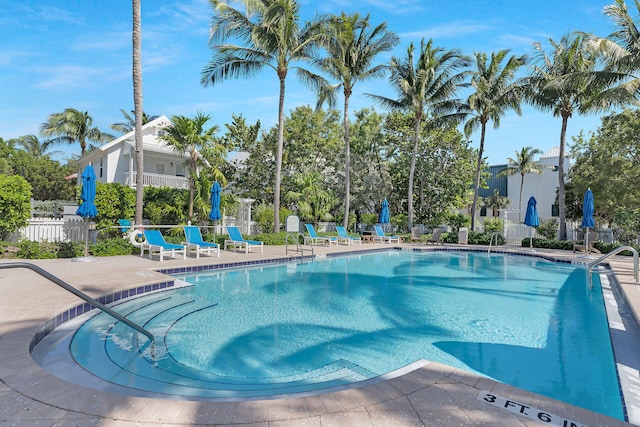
305,327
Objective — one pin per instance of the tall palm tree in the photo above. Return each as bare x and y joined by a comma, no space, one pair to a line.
566,80
187,136
352,47
129,122
270,36
137,107
72,126
32,145
426,87
495,92
522,164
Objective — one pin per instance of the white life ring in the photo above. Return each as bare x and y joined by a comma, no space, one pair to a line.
134,236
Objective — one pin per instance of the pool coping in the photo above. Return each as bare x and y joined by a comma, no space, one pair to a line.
432,369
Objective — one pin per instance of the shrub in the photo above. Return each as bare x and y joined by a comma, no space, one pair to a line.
492,225
37,250
113,247
548,229
369,218
70,249
458,220
15,203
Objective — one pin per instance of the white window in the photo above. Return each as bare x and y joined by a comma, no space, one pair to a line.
160,168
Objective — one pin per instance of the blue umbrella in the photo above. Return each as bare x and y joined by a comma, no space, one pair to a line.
88,195
531,217
587,215
216,190
88,207
385,218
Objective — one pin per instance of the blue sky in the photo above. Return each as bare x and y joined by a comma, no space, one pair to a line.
77,53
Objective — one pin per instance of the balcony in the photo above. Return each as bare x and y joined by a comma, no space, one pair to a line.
156,180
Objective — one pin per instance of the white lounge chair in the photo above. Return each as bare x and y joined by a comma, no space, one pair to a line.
155,243
343,237
196,243
314,239
237,241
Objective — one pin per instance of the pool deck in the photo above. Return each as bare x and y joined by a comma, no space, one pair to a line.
429,394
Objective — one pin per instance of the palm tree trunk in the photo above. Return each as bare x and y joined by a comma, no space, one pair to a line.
276,187
561,193
412,170
347,162
520,202
477,184
137,103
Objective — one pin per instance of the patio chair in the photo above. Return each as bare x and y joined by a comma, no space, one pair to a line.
416,234
435,236
155,243
343,237
314,239
125,226
196,243
382,238
236,241
582,247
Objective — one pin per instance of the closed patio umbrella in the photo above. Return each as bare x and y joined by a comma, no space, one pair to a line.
214,215
531,218
587,215
88,208
385,217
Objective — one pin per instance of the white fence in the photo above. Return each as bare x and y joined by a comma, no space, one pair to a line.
52,230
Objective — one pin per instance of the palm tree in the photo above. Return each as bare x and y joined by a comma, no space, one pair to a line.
566,81
270,36
496,202
73,126
129,122
352,47
522,164
426,88
187,136
32,145
137,107
495,93
314,201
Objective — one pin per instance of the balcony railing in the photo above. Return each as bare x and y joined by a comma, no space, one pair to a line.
156,180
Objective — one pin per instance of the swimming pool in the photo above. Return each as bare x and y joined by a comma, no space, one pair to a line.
311,326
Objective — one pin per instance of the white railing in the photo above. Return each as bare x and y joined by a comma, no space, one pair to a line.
156,180
52,230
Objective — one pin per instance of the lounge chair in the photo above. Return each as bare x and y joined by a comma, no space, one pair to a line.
314,239
197,244
382,238
237,241
435,236
125,226
343,237
416,234
582,247
155,243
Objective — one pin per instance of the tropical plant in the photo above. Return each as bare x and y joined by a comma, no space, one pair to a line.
270,36
426,88
352,47
495,92
496,202
32,145
522,164
129,122
565,81
137,107
314,201
186,137
72,126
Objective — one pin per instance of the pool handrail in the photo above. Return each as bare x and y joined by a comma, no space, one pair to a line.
79,294
617,250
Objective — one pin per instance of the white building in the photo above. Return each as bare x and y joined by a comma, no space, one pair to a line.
116,160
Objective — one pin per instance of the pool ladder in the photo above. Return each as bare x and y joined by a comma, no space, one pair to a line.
80,295
299,249
595,263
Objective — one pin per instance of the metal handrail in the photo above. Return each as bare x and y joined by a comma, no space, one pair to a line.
299,249
591,265
79,294
491,241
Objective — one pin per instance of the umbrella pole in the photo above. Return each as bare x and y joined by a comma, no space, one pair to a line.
586,241
86,238
530,237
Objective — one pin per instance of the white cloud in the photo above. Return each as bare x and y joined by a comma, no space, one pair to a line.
70,76
450,30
